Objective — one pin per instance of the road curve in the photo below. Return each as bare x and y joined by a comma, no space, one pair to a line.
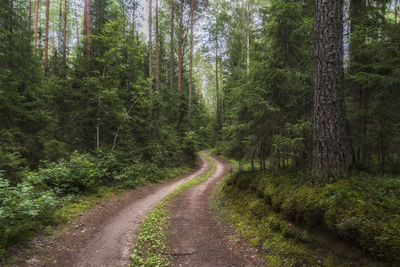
112,243
196,238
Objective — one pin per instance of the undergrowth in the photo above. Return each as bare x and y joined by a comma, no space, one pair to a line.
151,246
27,208
263,207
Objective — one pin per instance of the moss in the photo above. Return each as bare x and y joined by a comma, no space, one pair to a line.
349,209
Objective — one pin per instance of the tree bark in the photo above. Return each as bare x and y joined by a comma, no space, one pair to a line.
87,27
191,56
171,55
36,26
65,35
46,38
150,48
157,52
180,43
216,79
328,104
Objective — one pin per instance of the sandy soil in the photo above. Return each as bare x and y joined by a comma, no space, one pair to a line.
197,239
105,235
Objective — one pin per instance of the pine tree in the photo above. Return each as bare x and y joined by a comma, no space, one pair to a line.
328,117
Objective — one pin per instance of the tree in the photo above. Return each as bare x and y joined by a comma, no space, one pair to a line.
157,51
171,52
36,25
87,27
328,105
180,51
191,56
150,48
46,38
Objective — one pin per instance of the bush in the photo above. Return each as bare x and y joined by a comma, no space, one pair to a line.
77,175
136,174
22,208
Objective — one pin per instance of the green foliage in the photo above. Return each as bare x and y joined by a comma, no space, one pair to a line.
23,208
350,209
136,174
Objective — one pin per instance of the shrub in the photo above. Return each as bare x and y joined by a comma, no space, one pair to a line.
22,208
77,175
136,174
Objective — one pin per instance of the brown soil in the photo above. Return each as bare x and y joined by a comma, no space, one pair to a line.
105,235
197,238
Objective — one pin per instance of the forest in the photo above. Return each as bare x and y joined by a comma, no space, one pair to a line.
300,97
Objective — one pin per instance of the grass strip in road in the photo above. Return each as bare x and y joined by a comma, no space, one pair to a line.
151,246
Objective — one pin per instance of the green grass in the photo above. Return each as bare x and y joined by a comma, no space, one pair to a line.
151,246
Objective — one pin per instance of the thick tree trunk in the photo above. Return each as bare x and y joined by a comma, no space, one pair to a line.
191,56
46,38
180,43
87,27
36,26
328,117
157,52
150,47
171,55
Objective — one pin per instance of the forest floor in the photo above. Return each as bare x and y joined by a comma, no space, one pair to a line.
105,235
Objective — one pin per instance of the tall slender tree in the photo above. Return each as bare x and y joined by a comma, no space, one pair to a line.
180,50
36,25
217,79
65,34
191,56
157,51
171,53
328,113
87,27
150,47
46,38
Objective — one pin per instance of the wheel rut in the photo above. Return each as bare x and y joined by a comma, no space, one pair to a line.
196,238
105,236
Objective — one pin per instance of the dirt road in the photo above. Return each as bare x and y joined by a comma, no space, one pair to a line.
196,238
105,237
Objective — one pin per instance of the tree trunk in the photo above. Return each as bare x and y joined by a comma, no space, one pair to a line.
65,36
328,113
396,10
157,52
60,35
171,55
191,56
36,26
30,14
216,80
46,38
150,48
180,43
87,27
